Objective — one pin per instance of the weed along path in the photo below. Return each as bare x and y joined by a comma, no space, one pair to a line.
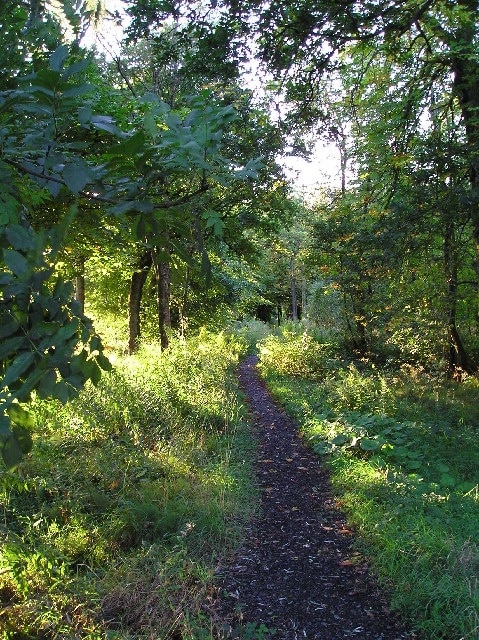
297,571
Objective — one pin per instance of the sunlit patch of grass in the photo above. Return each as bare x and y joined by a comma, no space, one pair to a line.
114,524
403,450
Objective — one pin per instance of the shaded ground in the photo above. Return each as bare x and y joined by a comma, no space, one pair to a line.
297,571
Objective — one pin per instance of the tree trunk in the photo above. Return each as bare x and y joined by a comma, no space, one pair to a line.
466,85
184,300
138,280
80,285
303,299
294,294
360,338
162,274
458,360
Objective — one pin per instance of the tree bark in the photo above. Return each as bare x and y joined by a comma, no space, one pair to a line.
303,298
458,360
137,282
465,70
80,285
294,294
162,274
184,299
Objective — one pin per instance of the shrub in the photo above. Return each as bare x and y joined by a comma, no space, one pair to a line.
294,354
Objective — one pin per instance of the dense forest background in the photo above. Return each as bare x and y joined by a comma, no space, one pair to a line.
144,206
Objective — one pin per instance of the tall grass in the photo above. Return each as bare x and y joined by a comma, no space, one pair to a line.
134,492
403,450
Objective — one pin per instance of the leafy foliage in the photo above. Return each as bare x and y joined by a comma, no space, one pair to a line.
42,328
295,352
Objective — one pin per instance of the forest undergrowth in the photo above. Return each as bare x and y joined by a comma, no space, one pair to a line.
134,493
113,526
401,444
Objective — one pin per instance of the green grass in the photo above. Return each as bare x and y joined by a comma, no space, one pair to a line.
403,450
114,524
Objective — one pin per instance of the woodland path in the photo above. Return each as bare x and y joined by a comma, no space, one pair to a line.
297,571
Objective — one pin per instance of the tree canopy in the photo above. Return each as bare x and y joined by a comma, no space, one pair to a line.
165,158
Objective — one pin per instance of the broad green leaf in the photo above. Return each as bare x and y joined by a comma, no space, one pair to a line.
131,145
446,480
12,453
76,67
23,437
11,346
19,237
103,362
47,384
369,444
150,125
60,392
66,332
84,115
20,416
106,123
76,176
80,90
43,110
23,394
17,368
4,427
16,262
8,326
58,57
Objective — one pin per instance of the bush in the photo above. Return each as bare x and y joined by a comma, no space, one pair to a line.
250,333
295,354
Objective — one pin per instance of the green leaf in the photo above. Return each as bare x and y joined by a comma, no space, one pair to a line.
8,326
19,237
20,416
103,362
4,427
23,437
79,90
106,123
60,392
66,332
58,57
17,368
84,115
76,176
11,346
12,453
16,262
149,123
47,384
131,145
369,444
76,67
446,480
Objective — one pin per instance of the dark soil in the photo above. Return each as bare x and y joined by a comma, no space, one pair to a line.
298,571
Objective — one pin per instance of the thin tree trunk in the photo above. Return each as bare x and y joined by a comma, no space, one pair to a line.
294,295
303,298
458,360
80,285
137,282
184,300
466,87
162,274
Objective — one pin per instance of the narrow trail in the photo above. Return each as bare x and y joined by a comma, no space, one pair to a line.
297,571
